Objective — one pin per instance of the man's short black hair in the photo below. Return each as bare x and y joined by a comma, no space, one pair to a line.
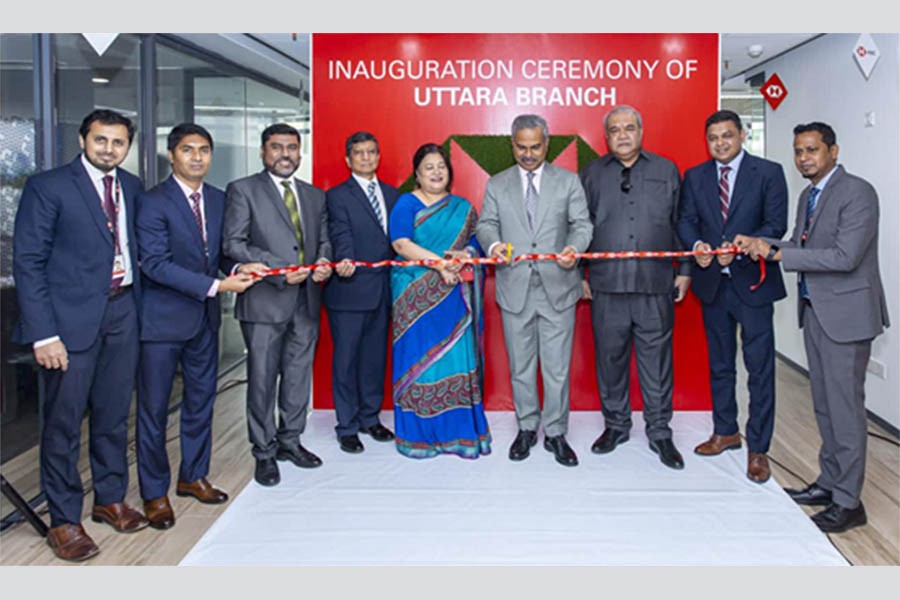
182,130
720,116
358,138
824,129
106,117
279,129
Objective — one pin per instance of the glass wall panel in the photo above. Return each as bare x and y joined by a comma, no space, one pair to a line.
86,80
18,130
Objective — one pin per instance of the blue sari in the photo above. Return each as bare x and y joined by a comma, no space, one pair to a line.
435,335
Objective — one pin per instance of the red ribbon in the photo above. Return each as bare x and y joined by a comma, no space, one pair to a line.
430,262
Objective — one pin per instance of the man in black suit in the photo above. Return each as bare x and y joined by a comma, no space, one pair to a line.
736,193
359,300
78,285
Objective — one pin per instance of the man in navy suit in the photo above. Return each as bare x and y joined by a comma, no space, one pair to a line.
179,233
78,287
359,300
736,193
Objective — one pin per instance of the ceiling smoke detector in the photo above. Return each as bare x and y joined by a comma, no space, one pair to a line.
754,50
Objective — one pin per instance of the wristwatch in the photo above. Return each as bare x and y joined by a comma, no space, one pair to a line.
773,250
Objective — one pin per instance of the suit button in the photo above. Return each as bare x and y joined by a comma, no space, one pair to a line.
534,245
630,237
295,248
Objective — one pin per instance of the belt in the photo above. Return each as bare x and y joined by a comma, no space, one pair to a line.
116,292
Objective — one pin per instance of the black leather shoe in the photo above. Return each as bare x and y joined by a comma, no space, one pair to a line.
561,450
266,472
811,495
350,443
835,518
379,432
668,454
299,455
608,441
521,446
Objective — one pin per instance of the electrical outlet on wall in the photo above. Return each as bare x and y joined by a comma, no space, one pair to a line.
870,118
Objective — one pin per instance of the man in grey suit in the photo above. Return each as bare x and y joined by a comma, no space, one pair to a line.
276,219
633,202
534,207
841,308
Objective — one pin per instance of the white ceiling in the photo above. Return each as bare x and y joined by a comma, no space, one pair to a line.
735,58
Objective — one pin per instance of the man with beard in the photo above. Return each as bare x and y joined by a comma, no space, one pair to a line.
78,286
278,220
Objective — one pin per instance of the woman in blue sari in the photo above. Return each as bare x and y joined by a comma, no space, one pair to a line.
436,318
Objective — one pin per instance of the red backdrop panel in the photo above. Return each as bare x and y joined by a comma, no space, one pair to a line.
409,89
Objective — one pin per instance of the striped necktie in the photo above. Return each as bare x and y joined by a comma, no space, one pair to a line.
724,192
810,208
373,200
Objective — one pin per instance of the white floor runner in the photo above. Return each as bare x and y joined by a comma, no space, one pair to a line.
624,508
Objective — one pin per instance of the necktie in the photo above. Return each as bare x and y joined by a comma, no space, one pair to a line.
810,208
195,206
373,200
724,192
112,216
290,202
531,198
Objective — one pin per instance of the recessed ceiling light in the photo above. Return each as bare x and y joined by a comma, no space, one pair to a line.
99,80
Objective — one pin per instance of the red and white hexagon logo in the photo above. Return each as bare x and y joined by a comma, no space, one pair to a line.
773,91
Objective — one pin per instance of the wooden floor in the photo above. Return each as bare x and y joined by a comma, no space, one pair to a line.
793,452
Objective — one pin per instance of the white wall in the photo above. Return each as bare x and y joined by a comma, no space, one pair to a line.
824,83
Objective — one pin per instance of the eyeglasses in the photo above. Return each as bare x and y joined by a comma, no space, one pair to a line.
625,186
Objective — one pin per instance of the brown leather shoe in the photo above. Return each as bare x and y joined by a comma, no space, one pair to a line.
202,490
122,517
71,542
758,467
718,444
159,512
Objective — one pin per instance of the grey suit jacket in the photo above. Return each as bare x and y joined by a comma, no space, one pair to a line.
840,259
561,220
258,229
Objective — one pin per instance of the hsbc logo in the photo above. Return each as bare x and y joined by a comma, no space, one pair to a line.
774,91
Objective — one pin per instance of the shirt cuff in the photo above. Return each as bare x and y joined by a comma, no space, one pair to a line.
45,342
213,289
490,251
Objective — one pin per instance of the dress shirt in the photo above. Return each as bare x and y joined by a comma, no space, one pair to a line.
379,197
214,288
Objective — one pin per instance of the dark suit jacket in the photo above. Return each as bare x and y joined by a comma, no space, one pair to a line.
356,234
63,254
840,259
758,208
177,274
258,229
